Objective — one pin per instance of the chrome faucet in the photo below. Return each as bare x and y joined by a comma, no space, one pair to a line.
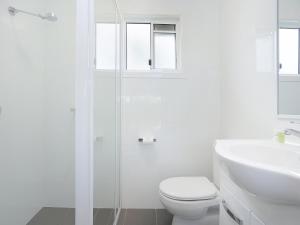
292,132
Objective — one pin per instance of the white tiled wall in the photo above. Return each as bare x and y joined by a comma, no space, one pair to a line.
183,114
21,117
59,90
248,65
248,41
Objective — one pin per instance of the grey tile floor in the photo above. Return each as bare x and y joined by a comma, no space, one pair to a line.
145,217
66,216
54,216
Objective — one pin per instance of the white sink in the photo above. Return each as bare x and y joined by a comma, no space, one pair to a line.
267,169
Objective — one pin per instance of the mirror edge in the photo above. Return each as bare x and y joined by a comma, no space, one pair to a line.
287,117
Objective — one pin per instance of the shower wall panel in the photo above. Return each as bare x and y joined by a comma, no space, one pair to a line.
21,114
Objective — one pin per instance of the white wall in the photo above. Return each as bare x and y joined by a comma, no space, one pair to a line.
59,100
248,41
183,114
21,119
36,124
248,65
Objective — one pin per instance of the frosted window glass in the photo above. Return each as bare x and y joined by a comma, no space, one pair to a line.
165,51
288,50
138,46
106,46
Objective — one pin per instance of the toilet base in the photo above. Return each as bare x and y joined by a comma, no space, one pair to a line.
179,221
211,218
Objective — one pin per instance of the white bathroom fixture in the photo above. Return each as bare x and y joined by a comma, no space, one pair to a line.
50,16
267,169
293,132
188,198
147,140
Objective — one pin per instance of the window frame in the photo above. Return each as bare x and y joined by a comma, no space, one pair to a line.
125,46
295,25
152,72
280,64
153,32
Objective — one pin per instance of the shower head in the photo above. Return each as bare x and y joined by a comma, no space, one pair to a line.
48,16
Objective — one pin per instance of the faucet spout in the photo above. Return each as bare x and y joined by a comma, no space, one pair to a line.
293,132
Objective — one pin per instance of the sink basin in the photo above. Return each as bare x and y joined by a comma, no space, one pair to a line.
267,169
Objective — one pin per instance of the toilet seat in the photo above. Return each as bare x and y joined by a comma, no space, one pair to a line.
188,189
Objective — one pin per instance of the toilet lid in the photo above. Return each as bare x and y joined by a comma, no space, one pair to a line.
188,188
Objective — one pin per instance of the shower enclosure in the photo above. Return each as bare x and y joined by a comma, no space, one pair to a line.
59,118
107,92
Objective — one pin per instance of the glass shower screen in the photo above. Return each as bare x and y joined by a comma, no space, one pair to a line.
107,81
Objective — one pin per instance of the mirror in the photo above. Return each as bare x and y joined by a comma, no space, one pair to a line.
289,59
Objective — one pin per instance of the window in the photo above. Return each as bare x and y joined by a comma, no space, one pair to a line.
138,46
289,50
151,46
107,35
164,46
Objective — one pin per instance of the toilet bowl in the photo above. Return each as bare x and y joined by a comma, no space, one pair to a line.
188,198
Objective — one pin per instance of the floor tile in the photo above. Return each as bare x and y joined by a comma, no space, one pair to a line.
103,217
69,218
49,216
140,217
95,212
66,216
111,219
163,217
122,216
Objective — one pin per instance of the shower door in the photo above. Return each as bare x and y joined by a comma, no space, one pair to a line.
107,84
37,112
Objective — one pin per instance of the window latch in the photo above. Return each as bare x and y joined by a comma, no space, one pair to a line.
150,62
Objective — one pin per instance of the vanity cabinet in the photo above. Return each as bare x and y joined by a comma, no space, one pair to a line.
232,211
256,195
255,220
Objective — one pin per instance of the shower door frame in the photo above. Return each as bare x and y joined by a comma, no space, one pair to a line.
85,54
84,116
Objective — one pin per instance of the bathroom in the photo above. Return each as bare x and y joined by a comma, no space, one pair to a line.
149,112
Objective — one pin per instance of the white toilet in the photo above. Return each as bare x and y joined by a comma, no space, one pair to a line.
188,198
